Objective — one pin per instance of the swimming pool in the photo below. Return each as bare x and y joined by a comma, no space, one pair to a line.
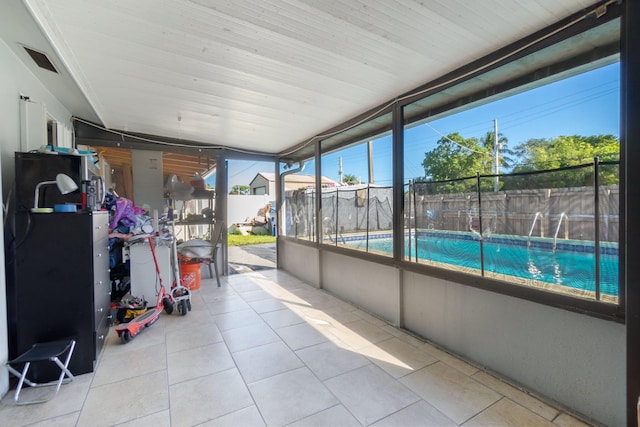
571,265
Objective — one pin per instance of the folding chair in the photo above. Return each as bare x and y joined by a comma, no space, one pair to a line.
42,352
215,241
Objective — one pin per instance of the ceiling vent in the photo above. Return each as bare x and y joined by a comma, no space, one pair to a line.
40,59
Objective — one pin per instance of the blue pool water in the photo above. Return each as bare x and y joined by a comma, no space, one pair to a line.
575,269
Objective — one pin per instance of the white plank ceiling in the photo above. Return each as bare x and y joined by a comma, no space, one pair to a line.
268,74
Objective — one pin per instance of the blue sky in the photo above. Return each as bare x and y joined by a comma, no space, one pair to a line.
586,104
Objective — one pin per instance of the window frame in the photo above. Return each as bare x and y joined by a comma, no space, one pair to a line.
462,92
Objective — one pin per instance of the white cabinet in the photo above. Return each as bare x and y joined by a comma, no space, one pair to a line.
144,281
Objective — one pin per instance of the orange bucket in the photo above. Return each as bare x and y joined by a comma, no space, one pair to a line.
190,274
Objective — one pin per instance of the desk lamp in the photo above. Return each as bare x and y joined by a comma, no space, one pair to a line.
65,184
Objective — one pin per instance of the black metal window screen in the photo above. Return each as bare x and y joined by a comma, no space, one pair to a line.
556,230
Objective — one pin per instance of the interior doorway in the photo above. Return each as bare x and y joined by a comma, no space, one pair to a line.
251,215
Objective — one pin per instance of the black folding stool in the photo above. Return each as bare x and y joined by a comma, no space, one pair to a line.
42,352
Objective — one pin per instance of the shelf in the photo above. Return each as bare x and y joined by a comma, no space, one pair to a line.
197,219
198,222
203,194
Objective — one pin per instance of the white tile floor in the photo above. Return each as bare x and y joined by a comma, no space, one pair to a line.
267,349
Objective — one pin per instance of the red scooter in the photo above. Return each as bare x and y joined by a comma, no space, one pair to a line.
179,295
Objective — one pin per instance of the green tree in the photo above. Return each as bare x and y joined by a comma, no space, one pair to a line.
567,152
455,157
563,151
240,189
504,159
350,179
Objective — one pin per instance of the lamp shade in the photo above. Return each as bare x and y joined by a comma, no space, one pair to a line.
65,183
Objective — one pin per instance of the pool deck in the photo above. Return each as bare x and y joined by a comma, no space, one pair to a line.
245,259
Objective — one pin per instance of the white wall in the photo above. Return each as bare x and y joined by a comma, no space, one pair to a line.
577,360
15,79
574,359
374,287
241,207
300,260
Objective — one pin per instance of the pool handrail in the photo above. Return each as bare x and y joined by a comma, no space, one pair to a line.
536,217
564,216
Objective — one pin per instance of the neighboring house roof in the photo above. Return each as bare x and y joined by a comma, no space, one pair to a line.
294,181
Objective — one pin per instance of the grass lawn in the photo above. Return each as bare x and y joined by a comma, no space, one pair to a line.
240,240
